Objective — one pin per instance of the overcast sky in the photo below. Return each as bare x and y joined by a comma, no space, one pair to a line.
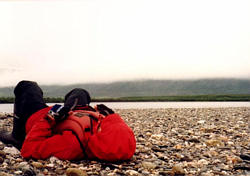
84,41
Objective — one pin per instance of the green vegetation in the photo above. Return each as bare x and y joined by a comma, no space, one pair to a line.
151,98
6,99
47,99
189,98
53,99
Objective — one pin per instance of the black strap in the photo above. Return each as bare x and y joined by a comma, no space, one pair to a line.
81,144
93,117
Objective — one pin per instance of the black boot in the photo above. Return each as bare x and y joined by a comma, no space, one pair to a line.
28,100
18,131
7,138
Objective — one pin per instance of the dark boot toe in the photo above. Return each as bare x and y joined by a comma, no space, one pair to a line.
7,138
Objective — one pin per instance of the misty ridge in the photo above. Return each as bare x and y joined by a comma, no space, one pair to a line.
148,88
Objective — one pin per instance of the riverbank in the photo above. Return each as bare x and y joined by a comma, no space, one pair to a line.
177,98
193,141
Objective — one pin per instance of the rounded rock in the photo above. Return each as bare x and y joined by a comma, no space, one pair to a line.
18,172
177,169
132,173
75,172
59,171
11,150
148,165
29,172
23,166
5,174
1,160
37,164
1,146
2,154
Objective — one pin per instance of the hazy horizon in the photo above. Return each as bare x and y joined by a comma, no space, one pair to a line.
127,80
73,41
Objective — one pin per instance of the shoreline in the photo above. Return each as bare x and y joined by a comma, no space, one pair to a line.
152,105
170,141
168,98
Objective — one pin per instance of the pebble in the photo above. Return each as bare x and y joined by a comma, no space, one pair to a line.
23,166
11,150
214,142
75,172
202,162
132,173
18,172
59,171
2,154
178,170
5,174
37,164
1,146
29,172
148,165
1,160
54,160
50,165
190,141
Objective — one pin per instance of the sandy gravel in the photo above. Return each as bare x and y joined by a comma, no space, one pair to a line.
206,142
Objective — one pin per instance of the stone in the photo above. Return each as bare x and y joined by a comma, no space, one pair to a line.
59,171
1,160
195,140
11,150
2,154
45,172
37,164
213,142
29,172
18,172
201,121
202,162
75,172
50,165
178,147
5,174
245,156
170,140
148,165
132,173
206,174
233,159
177,169
23,166
1,146
157,136
54,160
187,158
4,165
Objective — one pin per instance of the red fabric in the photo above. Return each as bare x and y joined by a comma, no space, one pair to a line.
41,143
113,141
36,117
77,122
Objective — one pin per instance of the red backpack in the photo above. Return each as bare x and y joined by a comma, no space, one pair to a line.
106,138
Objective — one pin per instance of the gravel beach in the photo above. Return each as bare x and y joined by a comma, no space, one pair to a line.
191,141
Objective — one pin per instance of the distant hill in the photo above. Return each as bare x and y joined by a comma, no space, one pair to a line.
149,88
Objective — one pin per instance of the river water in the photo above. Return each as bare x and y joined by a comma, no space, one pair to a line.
142,105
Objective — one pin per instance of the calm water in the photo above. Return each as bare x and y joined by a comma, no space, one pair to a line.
142,105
